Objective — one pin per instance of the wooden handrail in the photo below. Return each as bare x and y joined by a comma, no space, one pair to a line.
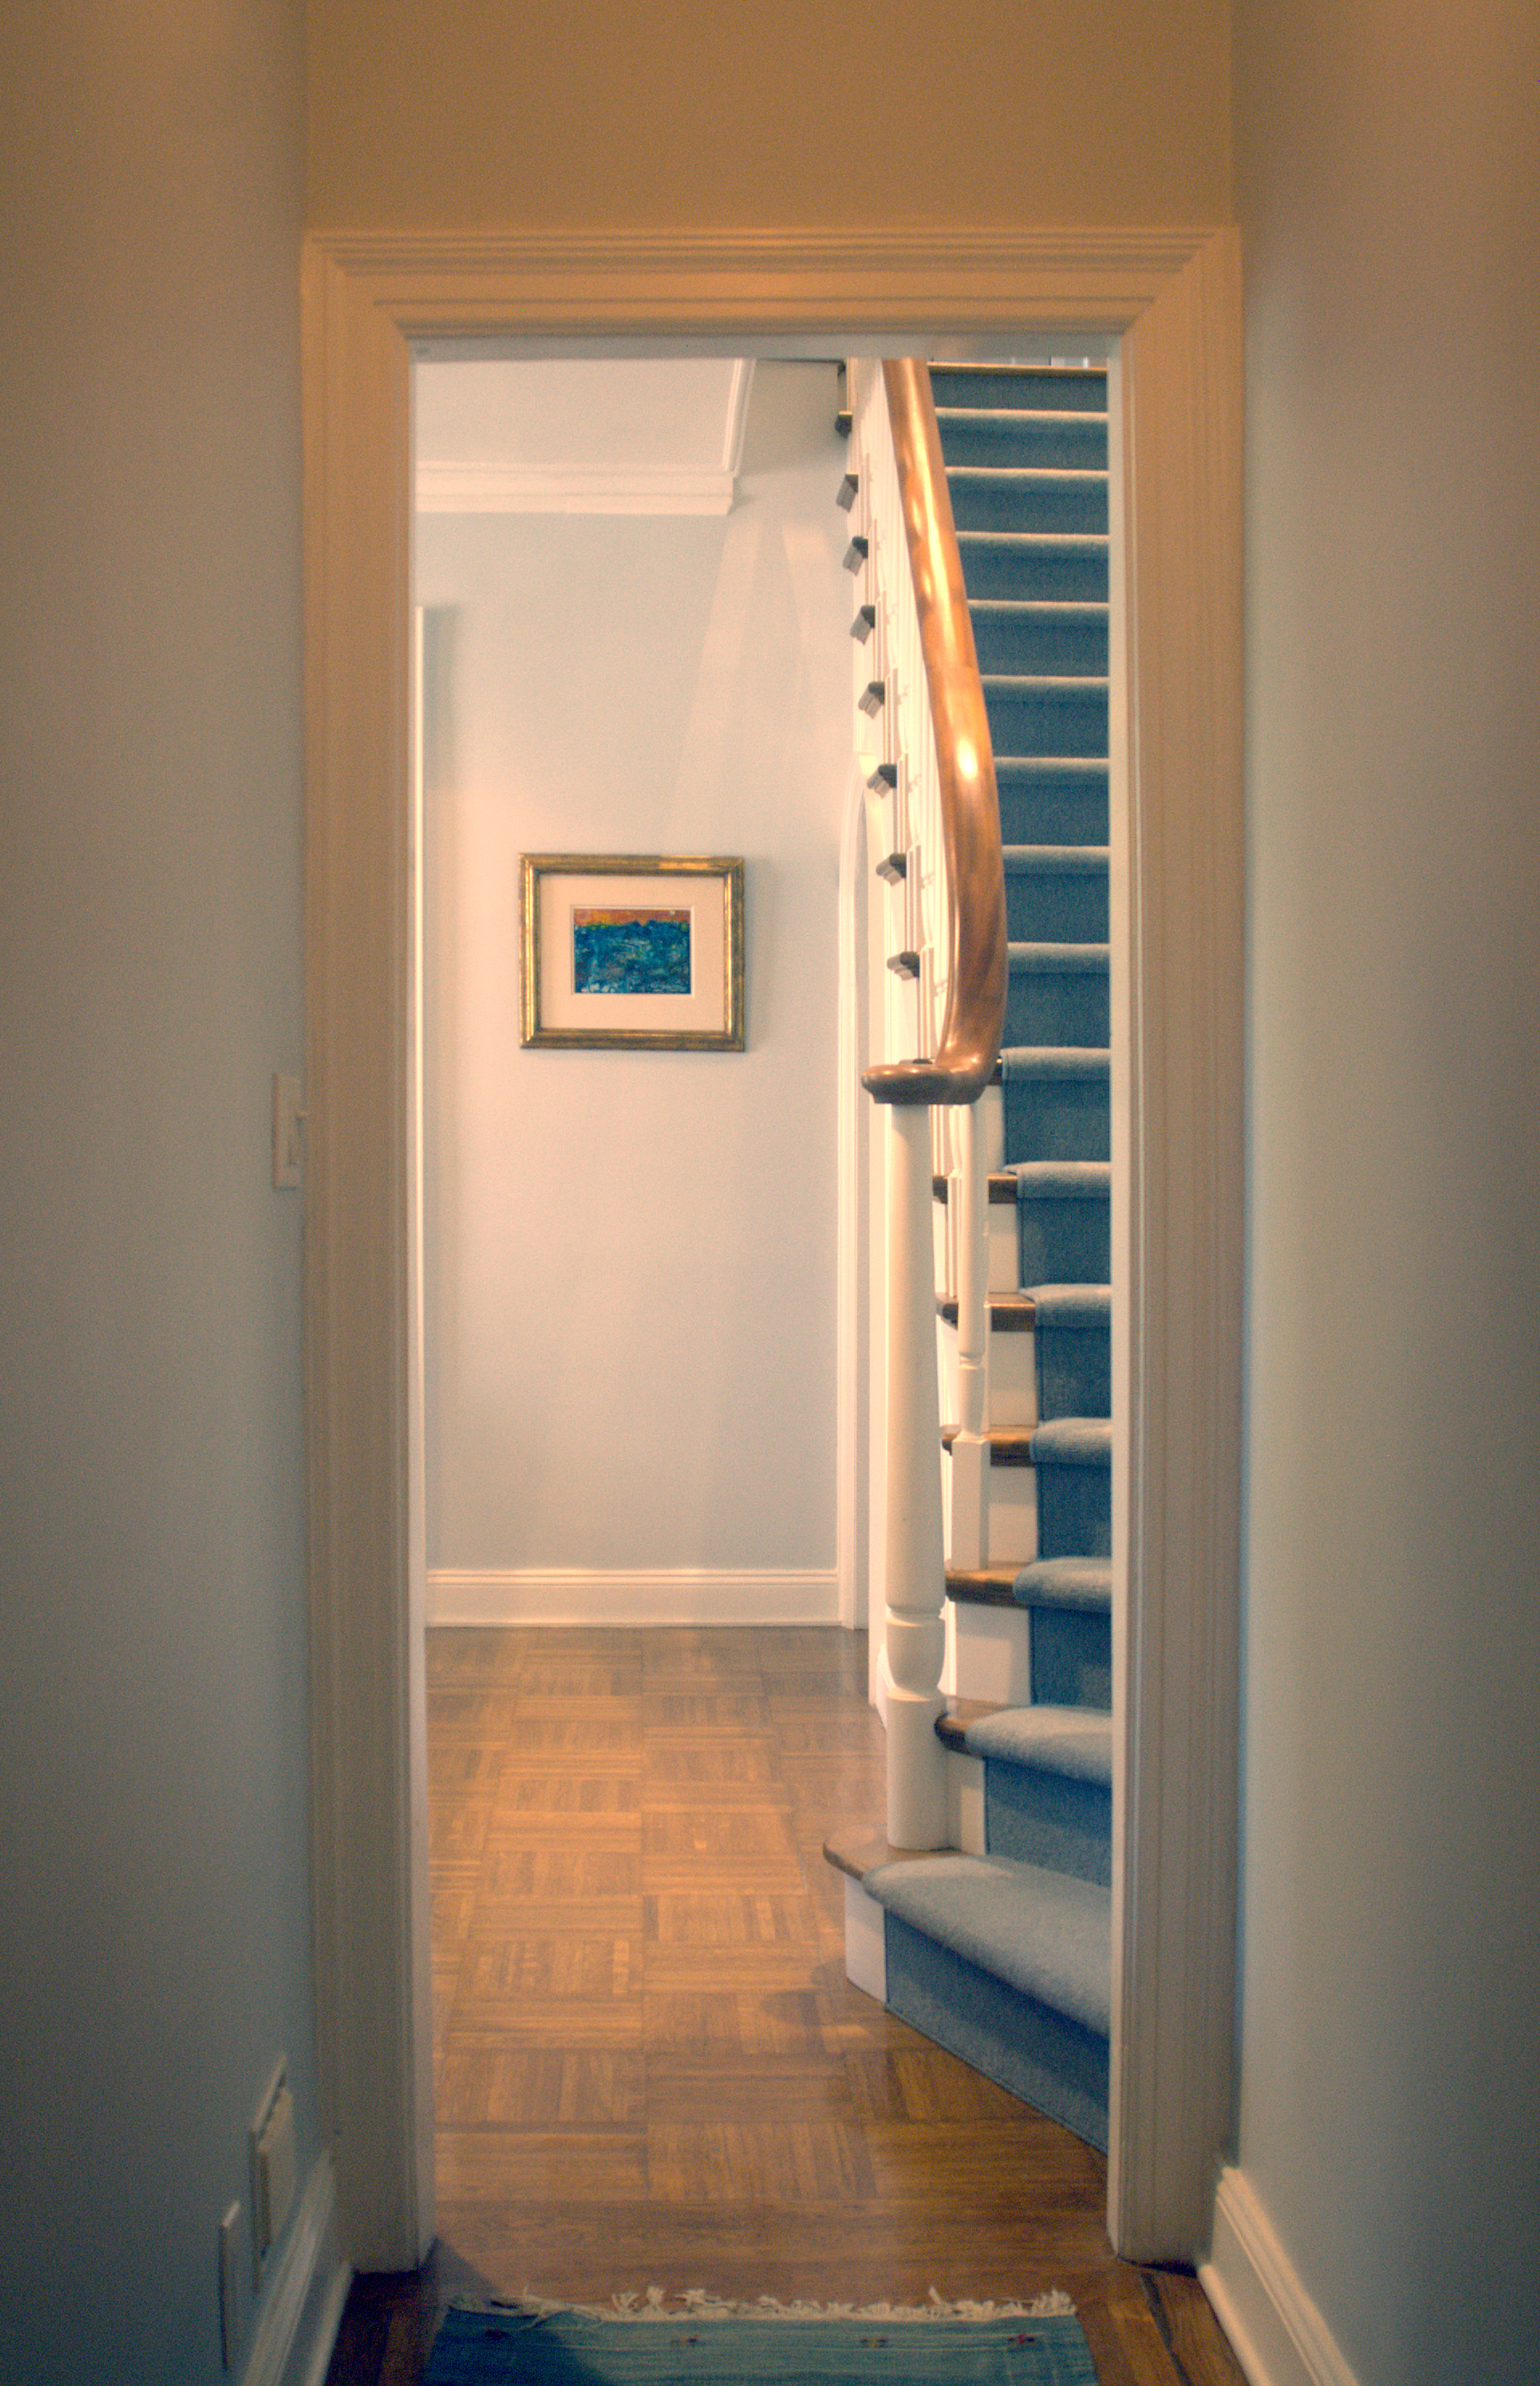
976,988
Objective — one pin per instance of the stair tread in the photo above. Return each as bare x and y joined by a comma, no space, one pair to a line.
1064,960
1084,1583
1002,1187
1054,860
1073,1742
1008,1445
856,1851
1046,1934
1022,1060
1019,475
1071,1180
969,414
1039,539
990,1586
1071,1304
1009,1313
1071,1441
1002,683
958,1717
1077,609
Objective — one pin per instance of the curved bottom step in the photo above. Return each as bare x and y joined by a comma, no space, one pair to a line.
1046,2058
1006,1965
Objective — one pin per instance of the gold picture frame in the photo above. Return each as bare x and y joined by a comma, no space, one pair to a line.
641,951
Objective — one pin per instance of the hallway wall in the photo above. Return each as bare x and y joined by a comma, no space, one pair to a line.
630,1271
1390,2103
773,112
154,1747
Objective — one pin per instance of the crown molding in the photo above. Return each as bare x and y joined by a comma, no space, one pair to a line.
452,489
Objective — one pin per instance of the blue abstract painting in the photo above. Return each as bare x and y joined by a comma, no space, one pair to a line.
630,952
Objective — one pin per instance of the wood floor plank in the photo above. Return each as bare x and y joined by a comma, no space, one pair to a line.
542,2088
521,2167
652,2068
758,2165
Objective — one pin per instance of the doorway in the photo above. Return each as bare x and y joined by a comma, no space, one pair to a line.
1172,301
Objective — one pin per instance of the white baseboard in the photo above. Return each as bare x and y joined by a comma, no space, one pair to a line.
1278,2337
303,2307
652,1595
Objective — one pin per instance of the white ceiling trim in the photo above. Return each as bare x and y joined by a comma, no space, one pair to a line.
455,488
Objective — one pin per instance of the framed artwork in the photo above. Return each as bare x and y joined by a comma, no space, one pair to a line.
626,948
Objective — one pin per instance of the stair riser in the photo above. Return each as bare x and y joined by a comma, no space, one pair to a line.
1062,390
989,1654
1063,1241
1049,1820
1070,720
1073,1510
1013,1378
1074,1371
1058,1118
1038,2055
1015,641
1050,573
1031,505
1072,1659
1012,1519
1051,808
1059,1007
1038,445
1060,906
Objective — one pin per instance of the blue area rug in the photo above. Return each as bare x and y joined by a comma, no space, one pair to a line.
712,2344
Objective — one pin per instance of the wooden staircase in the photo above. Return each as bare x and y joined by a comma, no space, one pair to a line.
997,1946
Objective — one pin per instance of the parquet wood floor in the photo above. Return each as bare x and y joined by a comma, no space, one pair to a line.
651,2069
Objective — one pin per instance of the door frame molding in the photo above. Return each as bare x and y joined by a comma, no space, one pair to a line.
1171,299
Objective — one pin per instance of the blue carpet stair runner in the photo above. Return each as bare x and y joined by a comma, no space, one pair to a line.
1004,1957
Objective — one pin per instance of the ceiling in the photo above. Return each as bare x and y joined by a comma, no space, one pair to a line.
580,435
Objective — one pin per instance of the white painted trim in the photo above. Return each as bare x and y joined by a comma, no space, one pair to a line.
490,488
1277,2334
1177,1176
866,1944
303,2308
737,416
637,1596
1169,292
851,1256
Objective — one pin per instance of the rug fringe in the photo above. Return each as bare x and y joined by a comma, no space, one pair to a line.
697,2302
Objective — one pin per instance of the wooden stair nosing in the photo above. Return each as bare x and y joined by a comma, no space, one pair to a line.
1008,1445
952,1723
1002,1188
990,1586
1009,1313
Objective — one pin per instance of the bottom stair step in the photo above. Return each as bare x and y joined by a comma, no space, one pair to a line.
1008,1966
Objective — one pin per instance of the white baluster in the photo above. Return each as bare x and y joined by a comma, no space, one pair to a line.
971,1446
914,1645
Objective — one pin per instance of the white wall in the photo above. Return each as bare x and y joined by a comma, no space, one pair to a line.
154,1744
630,1256
1390,2110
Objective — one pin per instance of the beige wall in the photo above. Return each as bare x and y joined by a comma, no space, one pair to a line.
649,1237
1390,2105
648,113
155,1745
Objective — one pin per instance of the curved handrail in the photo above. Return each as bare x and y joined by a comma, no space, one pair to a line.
974,1018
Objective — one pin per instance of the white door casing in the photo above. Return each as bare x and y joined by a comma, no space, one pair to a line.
1171,299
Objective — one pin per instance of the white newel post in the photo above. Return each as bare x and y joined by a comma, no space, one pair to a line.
970,1502
914,1644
